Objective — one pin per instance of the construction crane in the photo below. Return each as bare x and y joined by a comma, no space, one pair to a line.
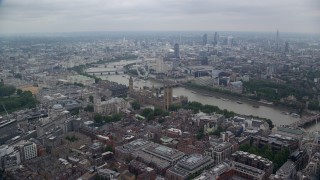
5,109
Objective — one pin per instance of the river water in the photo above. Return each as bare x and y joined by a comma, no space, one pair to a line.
273,113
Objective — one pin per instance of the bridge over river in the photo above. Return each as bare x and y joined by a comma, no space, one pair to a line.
303,122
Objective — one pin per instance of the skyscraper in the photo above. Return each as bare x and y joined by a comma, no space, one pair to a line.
216,38
287,47
277,40
204,39
176,50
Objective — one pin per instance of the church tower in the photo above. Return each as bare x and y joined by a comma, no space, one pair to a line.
167,96
130,84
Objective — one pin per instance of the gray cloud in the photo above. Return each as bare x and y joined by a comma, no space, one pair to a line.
104,15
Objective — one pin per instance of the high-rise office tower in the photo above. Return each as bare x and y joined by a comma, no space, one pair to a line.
287,47
216,39
277,40
204,39
176,50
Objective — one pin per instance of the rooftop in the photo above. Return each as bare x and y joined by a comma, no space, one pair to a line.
194,161
164,151
290,130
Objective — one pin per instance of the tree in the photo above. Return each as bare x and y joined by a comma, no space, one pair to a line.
91,99
98,118
148,113
158,112
19,92
200,134
89,108
135,105
109,149
7,90
174,107
116,117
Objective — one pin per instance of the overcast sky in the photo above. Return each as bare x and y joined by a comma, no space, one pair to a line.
173,15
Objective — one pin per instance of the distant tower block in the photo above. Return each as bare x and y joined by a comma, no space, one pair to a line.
176,51
167,97
130,84
204,39
287,47
277,39
216,39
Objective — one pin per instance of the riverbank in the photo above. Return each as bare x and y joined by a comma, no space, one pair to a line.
231,97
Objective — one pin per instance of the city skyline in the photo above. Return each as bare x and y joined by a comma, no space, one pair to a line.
140,15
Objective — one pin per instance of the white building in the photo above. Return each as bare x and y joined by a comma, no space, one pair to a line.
9,157
28,150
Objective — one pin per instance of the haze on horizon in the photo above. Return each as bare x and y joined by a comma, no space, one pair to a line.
32,16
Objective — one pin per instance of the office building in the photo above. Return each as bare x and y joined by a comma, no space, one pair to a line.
277,40
28,150
276,142
220,152
9,157
158,157
232,170
176,50
189,165
8,129
295,133
141,171
205,39
126,150
286,171
312,170
216,39
287,47
253,160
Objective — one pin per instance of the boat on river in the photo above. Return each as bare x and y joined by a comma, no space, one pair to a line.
266,102
256,106
224,99
295,115
239,102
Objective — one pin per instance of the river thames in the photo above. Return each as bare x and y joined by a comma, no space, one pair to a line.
275,114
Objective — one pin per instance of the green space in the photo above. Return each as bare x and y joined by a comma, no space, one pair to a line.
135,105
212,89
197,107
277,157
273,91
72,138
12,99
89,108
150,114
267,90
101,120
